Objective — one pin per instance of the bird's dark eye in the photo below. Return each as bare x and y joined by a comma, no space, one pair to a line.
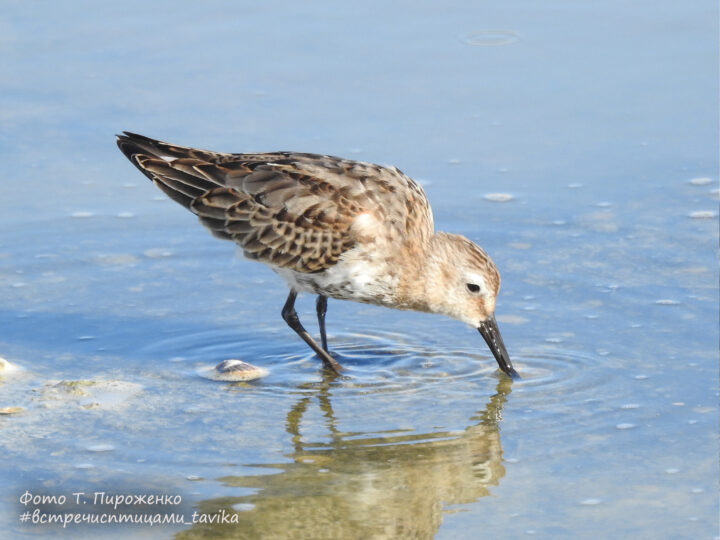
473,288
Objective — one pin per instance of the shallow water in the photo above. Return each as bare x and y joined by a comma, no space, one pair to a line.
574,142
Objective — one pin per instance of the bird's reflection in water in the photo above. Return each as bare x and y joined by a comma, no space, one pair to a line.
390,485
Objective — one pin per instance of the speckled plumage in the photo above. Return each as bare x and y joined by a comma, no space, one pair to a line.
330,226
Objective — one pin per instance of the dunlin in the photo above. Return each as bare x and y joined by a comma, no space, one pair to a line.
332,227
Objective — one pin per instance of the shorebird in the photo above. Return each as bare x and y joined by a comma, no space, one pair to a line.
333,227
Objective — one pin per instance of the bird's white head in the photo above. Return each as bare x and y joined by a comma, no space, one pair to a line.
462,282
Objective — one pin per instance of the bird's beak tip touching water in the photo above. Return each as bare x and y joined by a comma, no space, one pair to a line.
489,331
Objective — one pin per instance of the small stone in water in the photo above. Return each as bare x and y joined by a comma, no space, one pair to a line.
234,370
6,367
498,197
10,410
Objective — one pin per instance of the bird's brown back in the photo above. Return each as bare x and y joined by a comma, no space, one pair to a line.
292,210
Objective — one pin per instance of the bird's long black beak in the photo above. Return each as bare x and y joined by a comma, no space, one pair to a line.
491,334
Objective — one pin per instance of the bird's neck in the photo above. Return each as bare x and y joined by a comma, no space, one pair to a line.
424,272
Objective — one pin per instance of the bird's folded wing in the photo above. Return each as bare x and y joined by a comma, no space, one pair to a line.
279,213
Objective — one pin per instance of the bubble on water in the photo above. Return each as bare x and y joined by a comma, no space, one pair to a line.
704,410
125,215
625,425
559,222
129,185
641,377
553,340
82,214
590,502
84,466
672,470
490,38
498,197
242,507
454,161
511,319
100,447
574,186
85,338
630,406
701,181
18,285
157,253
678,403
193,477
604,204
667,302
703,214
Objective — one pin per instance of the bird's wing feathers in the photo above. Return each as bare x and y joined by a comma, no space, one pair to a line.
291,210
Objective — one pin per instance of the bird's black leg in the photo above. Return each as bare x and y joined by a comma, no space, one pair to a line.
321,306
290,316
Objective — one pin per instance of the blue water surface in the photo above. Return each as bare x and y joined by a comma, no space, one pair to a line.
575,141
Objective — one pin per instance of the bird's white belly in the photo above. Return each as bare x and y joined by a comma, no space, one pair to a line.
354,277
